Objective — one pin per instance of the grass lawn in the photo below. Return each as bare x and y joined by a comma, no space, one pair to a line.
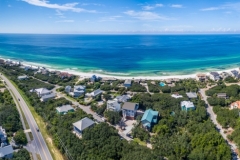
139,142
56,154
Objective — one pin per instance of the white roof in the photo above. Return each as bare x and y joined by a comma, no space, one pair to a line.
128,81
83,123
176,96
64,108
187,104
6,150
79,87
42,90
191,95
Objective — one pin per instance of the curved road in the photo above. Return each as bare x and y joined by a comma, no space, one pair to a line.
38,138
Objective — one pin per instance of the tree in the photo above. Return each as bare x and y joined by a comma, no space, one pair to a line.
112,117
21,154
20,137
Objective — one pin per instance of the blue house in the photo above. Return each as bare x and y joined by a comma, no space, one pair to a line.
149,118
93,78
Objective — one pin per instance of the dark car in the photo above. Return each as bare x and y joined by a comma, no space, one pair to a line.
37,129
18,99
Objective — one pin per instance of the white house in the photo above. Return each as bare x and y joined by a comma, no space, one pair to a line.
123,98
234,73
68,89
6,151
113,105
187,106
78,91
214,76
176,95
22,77
41,91
94,93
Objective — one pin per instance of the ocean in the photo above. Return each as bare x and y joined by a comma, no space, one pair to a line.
125,55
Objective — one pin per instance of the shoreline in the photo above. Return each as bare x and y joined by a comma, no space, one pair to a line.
89,74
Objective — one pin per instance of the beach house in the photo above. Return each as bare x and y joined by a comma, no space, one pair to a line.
201,77
127,83
235,105
222,95
214,76
234,73
63,75
81,125
122,98
187,106
78,91
6,152
94,93
113,105
225,75
47,97
129,110
93,78
149,118
191,95
22,77
68,89
64,109
176,95
41,91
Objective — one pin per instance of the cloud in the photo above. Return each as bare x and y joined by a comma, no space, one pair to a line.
59,14
151,7
176,6
110,18
65,21
145,15
64,7
210,9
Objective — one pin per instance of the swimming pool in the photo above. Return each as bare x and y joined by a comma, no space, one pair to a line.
162,84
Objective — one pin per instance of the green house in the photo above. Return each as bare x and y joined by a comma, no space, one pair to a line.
149,118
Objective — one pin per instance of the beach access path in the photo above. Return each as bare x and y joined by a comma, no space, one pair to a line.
39,141
220,129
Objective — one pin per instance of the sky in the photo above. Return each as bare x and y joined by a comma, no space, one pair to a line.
119,16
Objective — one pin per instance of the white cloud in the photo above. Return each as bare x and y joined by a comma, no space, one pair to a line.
151,7
9,5
110,18
145,15
64,7
65,21
211,9
176,6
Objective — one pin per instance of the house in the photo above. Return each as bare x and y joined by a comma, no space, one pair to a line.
234,73
137,80
214,76
68,89
64,109
81,125
128,83
94,93
3,135
149,118
235,105
93,78
108,79
201,77
47,97
63,75
224,75
222,95
41,91
176,95
6,152
187,106
123,98
44,71
113,105
129,110
2,61
191,95
78,91
22,77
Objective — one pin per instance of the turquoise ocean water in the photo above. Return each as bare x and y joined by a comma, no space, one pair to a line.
125,55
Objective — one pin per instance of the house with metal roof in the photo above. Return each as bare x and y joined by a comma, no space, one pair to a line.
94,93
22,77
47,97
214,76
222,95
41,91
68,89
113,105
93,78
123,98
191,95
129,110
187,106
128,83
6,151
149,118
64,109
81,125
78,91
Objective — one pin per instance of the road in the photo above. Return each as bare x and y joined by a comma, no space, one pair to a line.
40,144
213,117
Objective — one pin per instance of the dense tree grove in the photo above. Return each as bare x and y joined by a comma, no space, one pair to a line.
136,87
21,155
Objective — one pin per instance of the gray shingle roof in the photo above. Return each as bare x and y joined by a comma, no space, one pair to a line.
83,123
129,106
52,95
191,95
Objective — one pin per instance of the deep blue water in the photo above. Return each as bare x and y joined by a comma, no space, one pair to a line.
132,54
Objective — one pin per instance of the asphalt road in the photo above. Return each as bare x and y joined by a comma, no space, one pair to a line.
213,117
41,145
